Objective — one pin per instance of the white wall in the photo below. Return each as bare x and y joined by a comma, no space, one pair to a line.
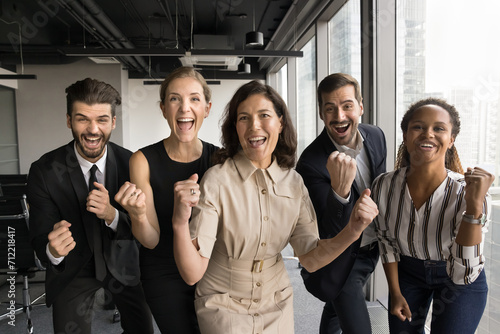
41,106
147,125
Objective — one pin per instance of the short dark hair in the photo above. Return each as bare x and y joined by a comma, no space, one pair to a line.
452,160
286,148
335,81
92,91
185,72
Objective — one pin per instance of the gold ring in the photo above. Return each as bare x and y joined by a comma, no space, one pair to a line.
193,191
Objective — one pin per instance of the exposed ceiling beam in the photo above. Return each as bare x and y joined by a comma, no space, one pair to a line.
85,52
17,76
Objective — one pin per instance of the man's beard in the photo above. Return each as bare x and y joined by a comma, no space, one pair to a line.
91,154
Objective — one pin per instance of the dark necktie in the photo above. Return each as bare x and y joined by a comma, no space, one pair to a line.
100,266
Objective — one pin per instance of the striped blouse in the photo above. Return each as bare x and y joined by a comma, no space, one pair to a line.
429,232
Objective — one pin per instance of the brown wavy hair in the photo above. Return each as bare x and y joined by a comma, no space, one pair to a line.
286,148
452,160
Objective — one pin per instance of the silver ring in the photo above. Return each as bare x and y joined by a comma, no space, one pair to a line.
133,194
192,191
471,171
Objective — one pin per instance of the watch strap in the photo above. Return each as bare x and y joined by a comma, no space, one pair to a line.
481,220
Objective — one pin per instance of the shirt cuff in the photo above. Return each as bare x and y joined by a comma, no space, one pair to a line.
54,260
342,200
114,223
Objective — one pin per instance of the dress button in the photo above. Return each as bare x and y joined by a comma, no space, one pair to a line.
264,191
255,300
258,284
256,315
263,244
266,218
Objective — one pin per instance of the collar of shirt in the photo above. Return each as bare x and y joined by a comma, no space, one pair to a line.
85,165
353,153
246,168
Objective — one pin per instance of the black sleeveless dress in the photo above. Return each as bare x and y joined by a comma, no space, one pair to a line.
170,299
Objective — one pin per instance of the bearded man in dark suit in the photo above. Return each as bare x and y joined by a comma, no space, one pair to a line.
77,229
336,167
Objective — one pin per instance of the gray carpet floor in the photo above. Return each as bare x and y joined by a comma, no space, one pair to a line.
307,308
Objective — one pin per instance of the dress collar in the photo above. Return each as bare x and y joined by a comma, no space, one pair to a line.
246,168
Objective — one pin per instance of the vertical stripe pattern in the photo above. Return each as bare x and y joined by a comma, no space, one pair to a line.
429,232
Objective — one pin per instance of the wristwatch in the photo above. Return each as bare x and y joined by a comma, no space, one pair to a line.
476,221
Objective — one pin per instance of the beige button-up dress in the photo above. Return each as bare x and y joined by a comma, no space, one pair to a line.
244,219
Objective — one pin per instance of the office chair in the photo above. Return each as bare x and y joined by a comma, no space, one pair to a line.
17,256
13,184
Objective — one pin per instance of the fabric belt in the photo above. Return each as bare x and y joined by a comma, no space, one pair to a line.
369,247
256,266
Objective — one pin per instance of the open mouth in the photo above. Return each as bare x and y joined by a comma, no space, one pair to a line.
92,142
257,141
185,124
427,146
341,128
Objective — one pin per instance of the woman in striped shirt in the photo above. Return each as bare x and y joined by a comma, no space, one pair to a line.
431,226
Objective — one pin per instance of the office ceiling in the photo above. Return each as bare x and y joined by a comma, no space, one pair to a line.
149,37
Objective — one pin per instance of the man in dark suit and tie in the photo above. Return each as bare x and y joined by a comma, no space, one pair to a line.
336,167
77,229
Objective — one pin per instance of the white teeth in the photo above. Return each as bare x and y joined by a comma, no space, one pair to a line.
257,138
341,126
185,120
91,139
426,145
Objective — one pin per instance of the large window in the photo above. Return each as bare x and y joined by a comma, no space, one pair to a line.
457,62
344,32
282,82
448,49
306,96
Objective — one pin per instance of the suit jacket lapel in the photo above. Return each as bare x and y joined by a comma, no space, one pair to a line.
370,150
81,190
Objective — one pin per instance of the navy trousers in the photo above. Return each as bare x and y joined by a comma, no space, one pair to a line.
455,308
348,311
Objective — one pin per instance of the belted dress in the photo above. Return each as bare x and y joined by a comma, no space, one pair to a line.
245,217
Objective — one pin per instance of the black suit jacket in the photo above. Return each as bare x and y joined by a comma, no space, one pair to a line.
333,215
57,191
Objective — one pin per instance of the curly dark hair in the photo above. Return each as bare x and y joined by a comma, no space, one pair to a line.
452,160
286,148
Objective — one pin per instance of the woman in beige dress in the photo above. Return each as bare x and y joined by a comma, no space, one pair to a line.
246,210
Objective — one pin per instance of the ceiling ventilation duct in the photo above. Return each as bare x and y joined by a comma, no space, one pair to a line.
104,60
219,42
222,62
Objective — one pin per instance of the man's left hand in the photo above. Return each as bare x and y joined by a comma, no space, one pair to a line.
98,203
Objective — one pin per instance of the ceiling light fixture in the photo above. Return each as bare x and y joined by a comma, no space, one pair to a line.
244,68
254,38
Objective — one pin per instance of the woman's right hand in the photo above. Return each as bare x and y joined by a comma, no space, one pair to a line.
186,196
132,199
400,308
